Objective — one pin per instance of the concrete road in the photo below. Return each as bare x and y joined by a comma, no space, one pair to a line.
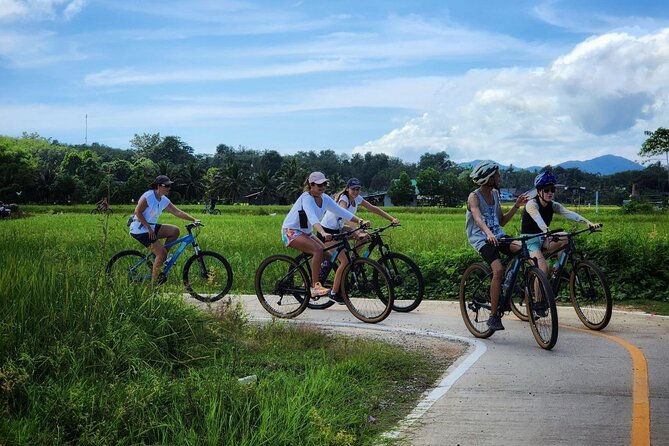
588,390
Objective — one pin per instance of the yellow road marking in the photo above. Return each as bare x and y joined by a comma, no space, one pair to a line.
640,401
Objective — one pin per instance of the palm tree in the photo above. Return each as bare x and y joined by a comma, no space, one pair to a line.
264,185
291,179
191,180
233,181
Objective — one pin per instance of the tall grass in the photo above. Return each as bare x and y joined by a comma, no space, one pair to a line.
83,364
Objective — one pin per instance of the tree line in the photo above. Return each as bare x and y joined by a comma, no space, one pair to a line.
34,169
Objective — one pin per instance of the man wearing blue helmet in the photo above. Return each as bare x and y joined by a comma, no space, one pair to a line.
484,223
538,215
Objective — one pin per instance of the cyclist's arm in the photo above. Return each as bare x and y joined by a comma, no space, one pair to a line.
378,211
330,205
172,209
474,208
505,218
532,209
570,215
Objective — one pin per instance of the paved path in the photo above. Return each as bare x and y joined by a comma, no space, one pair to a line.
580,393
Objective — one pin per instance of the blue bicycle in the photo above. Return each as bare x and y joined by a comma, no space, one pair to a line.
207,275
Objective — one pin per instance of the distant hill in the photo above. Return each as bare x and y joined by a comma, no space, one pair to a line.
604,165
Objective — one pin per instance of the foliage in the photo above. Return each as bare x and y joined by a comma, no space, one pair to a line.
401,191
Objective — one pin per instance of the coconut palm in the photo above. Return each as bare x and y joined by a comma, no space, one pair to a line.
291,179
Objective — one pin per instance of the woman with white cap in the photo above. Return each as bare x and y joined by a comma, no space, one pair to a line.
304,217
350,199
144,227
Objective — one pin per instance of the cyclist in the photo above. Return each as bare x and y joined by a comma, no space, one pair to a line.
102,205
538,215
484,223
304,217
144,227
349,198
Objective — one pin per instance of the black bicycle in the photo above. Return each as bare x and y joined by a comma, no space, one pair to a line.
589,290
207,275
208,210
522,274
283,284
405,275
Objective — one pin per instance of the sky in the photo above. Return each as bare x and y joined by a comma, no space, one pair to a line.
520,82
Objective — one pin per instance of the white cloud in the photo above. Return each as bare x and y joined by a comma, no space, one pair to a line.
36,10
597,98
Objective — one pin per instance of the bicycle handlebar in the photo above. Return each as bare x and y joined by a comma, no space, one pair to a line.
594,228
527,237
195,224
343,235
381,229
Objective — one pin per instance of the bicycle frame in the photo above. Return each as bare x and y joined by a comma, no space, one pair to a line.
376,241
184,241
568,258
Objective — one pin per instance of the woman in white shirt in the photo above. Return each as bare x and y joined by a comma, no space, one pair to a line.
144,227
304,217
349,199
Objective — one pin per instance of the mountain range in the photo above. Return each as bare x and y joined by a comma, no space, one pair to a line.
603,165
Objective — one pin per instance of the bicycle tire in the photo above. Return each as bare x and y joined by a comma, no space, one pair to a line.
593,307
121,268
544,328
280,277
95,211
518,297
407,280
367,290
323,302
207,276
474,297
216,212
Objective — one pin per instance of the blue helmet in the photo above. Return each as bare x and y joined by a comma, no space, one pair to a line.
544,179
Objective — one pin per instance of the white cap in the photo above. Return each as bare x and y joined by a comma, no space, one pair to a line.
317,177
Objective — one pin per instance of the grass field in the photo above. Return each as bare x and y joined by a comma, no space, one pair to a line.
82,364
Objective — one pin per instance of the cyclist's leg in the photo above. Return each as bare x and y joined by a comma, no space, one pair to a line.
310,245
169,232
160,252
551,245
343,261
490,254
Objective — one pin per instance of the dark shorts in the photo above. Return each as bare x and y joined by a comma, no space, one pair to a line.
328,231
144,237
490,252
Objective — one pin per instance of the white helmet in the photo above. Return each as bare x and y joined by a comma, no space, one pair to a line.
484,171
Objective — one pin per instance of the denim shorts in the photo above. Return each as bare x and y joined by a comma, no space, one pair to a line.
534,244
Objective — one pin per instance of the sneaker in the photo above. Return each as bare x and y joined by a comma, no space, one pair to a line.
162,278
540,309
495,323
319,290
336,298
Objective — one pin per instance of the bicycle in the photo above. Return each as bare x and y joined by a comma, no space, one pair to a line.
475,304
405,275
207,275
283,285
208,210
102,210
589,289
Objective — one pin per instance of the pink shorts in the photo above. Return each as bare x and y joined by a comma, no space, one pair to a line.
288,235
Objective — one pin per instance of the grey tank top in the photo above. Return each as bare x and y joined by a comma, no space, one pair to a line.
490,213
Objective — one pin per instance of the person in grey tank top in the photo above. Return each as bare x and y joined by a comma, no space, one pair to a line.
484,223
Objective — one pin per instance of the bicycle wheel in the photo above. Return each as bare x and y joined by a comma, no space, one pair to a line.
367,290
408,283
95,211
475,299
128,267
590,295
282,286
541,308
518,297
207,276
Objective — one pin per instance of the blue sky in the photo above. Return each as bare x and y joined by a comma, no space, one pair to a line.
522,82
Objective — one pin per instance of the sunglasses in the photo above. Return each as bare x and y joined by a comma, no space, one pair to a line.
167,186
319,185
549,189
355,188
